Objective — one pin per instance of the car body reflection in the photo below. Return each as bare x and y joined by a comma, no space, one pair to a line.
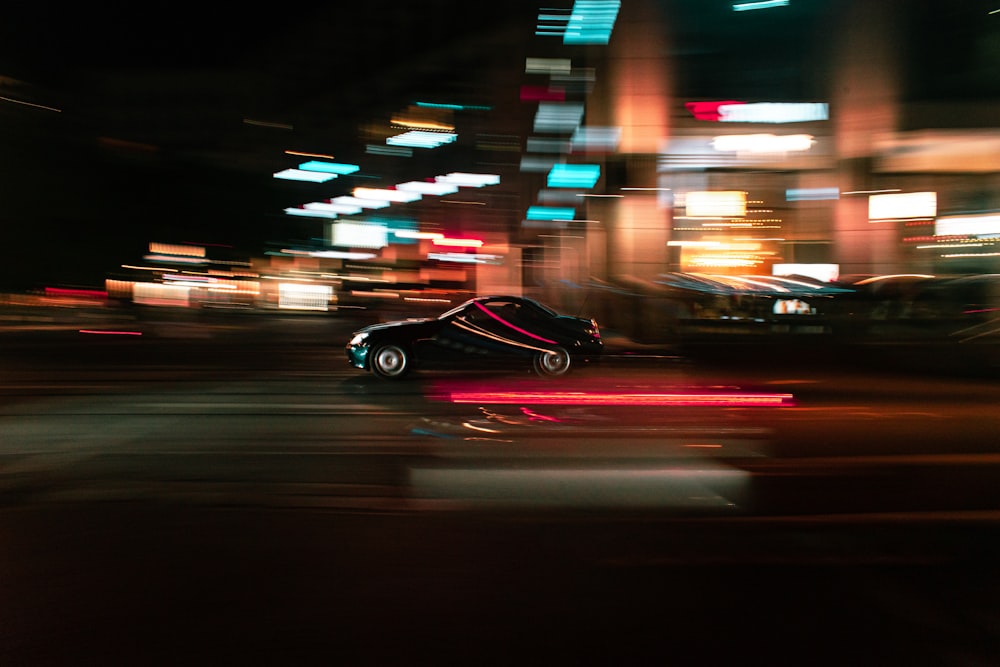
487,330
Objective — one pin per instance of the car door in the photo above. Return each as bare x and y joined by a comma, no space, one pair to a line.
488,331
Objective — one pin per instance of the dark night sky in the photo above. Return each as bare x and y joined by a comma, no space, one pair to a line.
150,141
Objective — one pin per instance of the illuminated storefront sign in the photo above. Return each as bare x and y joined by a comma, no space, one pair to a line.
902,205
716,204
731,111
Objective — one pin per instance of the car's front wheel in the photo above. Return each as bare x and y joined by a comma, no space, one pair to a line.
390,361
552,363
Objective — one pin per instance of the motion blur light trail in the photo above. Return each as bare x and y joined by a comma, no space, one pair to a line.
110,333
741,399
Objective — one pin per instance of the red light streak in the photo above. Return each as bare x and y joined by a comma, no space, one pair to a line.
86,293
506,323
110,333
708,110
735,399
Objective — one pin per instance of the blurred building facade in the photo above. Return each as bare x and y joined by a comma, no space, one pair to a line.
718,141
910,92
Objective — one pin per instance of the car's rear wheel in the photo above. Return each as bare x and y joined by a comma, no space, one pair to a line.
390,361
552,363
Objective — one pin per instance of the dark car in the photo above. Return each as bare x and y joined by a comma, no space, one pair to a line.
483,331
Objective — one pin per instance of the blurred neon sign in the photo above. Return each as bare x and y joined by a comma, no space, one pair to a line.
573,175
589,22
731,111
720,203
968,225
763,4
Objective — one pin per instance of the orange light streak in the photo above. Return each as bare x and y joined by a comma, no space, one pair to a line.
110,333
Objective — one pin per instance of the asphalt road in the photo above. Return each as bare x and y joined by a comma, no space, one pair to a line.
229,491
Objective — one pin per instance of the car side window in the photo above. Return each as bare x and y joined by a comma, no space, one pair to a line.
474,314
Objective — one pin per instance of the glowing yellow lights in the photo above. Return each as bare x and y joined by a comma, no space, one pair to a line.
719,203
176,249
875,279
428,125
305,154
722,261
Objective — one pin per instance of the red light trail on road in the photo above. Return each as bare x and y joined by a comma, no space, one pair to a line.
728,399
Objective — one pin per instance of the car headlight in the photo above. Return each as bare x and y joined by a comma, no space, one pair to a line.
358,339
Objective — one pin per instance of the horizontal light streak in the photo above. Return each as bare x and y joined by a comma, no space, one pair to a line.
411,234
307,154
386,194
469,180
264,123
177,259
303,175
428,125
453,107
311,213
421,139
30,104
465,258
359,201
330,254
319,166
329,207
730,399
763,4
550,213
968,225
428,188
101,332
458,243
762,143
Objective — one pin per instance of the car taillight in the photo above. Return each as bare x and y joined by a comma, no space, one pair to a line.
593,330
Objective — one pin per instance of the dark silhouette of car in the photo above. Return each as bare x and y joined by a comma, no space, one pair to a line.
484,331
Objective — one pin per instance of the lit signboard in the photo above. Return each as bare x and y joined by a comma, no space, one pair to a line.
303,175
825,272
968,225
716,204
297,296
900,205
589,22
421,139
329,167
558,116
762,143
731,111
360,235
551,213
811,194
573,176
